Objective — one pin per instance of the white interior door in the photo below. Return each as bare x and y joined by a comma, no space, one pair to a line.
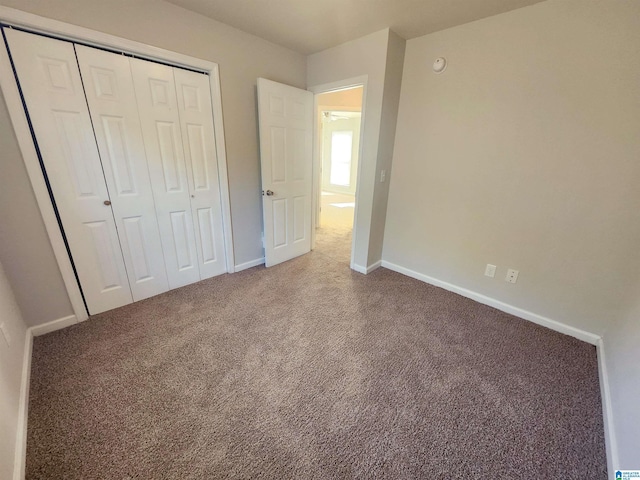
112,105
286,130
340,148
196,123
52,89
158,107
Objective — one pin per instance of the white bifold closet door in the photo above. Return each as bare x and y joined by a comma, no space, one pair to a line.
112,105
177,125
54,96
128,147
196,125
156,97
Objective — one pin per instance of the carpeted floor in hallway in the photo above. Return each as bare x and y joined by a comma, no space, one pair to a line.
308,370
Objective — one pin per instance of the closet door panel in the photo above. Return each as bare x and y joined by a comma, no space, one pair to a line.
196,124
112,104
53,93
157,104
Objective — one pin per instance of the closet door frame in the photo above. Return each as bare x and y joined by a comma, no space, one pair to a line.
64,31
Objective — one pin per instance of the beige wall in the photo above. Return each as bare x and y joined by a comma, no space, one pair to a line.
365,56
525,154
242,59
11,364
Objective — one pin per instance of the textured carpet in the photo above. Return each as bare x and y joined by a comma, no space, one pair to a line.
309,370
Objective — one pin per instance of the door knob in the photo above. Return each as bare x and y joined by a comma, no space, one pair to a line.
107,202
270,193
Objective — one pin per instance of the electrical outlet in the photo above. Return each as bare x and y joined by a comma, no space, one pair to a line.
512,276
383,176
490,271
5,333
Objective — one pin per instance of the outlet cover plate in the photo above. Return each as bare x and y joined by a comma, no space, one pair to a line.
512,276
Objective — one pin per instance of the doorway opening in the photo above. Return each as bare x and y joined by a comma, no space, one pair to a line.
339,126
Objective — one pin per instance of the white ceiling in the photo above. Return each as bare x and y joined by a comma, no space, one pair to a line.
309,26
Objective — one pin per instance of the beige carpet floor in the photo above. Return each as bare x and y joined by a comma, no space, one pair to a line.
308,370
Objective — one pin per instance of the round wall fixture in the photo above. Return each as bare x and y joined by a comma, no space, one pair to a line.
440,65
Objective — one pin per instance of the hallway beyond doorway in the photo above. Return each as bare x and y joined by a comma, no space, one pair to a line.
339,118
337,210
336,225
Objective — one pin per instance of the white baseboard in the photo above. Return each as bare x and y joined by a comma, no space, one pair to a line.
23,411
374,266
583,335
607,411
359,268
369,269
249,264
20,457
53,325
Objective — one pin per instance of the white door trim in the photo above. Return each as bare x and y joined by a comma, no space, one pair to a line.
38,24
360,81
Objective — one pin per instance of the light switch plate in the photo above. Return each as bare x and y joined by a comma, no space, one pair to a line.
490,271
